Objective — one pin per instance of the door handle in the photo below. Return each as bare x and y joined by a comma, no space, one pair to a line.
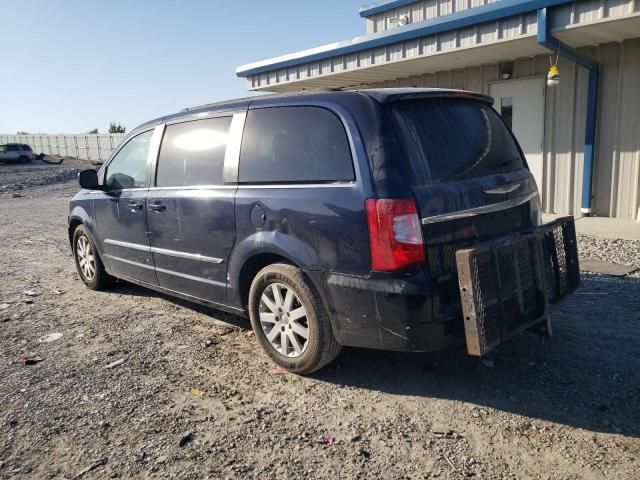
157,207
134,206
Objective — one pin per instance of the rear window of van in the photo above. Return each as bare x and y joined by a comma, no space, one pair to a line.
451,139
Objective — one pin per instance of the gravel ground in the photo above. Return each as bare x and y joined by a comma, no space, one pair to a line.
136,384
14,178
624,252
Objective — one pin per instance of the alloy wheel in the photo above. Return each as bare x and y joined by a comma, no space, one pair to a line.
86,258
283,319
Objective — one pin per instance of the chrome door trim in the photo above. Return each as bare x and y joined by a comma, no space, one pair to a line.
134,246
234,186
190,256
232,153
164,251
154,150
472,212
168,272
349,184
194,187
190,277
130,262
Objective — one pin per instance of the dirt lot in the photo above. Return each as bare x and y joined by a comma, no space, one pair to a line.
15,177
195,397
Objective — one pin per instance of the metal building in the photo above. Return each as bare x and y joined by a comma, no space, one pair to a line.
581,138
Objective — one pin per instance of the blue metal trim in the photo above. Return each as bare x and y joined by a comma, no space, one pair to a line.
547,40
379,7
465,18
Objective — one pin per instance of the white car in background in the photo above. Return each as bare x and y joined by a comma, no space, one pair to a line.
16,152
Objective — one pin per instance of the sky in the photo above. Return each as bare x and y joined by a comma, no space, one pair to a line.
73,65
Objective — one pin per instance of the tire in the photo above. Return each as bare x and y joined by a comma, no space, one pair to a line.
279,312
84,248
24,159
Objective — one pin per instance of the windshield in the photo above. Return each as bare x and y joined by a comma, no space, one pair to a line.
451,139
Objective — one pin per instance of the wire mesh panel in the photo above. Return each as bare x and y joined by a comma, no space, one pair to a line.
507,284
441,258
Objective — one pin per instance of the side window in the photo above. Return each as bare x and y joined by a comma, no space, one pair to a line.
192,153
128,169
12,148
3,148
294,144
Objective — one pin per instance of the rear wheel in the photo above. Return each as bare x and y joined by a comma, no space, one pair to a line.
88,263
290,321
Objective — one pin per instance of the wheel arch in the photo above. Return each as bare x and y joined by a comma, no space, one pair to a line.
250,268
258,250
74,223
79,216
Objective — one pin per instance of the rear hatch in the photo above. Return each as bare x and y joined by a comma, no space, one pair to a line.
466,171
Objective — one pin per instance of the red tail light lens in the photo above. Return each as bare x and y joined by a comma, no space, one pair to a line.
395,233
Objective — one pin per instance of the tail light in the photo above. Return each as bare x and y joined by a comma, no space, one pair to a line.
395,233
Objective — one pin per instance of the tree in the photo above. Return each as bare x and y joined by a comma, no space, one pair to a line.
22,133
116,128
94,131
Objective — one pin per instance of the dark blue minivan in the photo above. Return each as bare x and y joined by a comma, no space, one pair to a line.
328,218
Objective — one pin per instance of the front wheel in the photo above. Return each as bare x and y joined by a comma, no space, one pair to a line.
290,321
24,159
88,263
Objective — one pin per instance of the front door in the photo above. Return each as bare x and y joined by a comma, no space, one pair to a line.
120,211
191,213
521,104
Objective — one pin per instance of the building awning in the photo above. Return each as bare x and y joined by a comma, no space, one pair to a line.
501,31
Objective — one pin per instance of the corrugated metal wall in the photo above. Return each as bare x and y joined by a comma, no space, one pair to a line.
325,73
617,166
617,172
419,11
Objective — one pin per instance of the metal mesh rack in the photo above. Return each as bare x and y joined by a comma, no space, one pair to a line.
507,284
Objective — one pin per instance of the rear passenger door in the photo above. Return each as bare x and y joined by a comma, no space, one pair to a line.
298,194
190,208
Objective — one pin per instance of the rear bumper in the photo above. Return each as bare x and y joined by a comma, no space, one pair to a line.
390,312
506,285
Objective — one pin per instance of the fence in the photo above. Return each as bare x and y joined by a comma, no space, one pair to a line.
95,148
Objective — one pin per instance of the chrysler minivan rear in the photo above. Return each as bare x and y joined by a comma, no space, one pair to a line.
450,176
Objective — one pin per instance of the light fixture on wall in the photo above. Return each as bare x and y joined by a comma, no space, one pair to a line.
506,70
401,20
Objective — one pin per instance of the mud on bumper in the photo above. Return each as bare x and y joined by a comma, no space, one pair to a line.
508,284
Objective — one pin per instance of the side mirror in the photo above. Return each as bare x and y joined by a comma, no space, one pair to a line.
88,179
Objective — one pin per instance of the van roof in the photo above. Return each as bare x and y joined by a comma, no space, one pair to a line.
381,95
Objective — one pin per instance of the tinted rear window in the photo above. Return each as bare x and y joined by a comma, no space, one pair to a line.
453,139
192,153
294,144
